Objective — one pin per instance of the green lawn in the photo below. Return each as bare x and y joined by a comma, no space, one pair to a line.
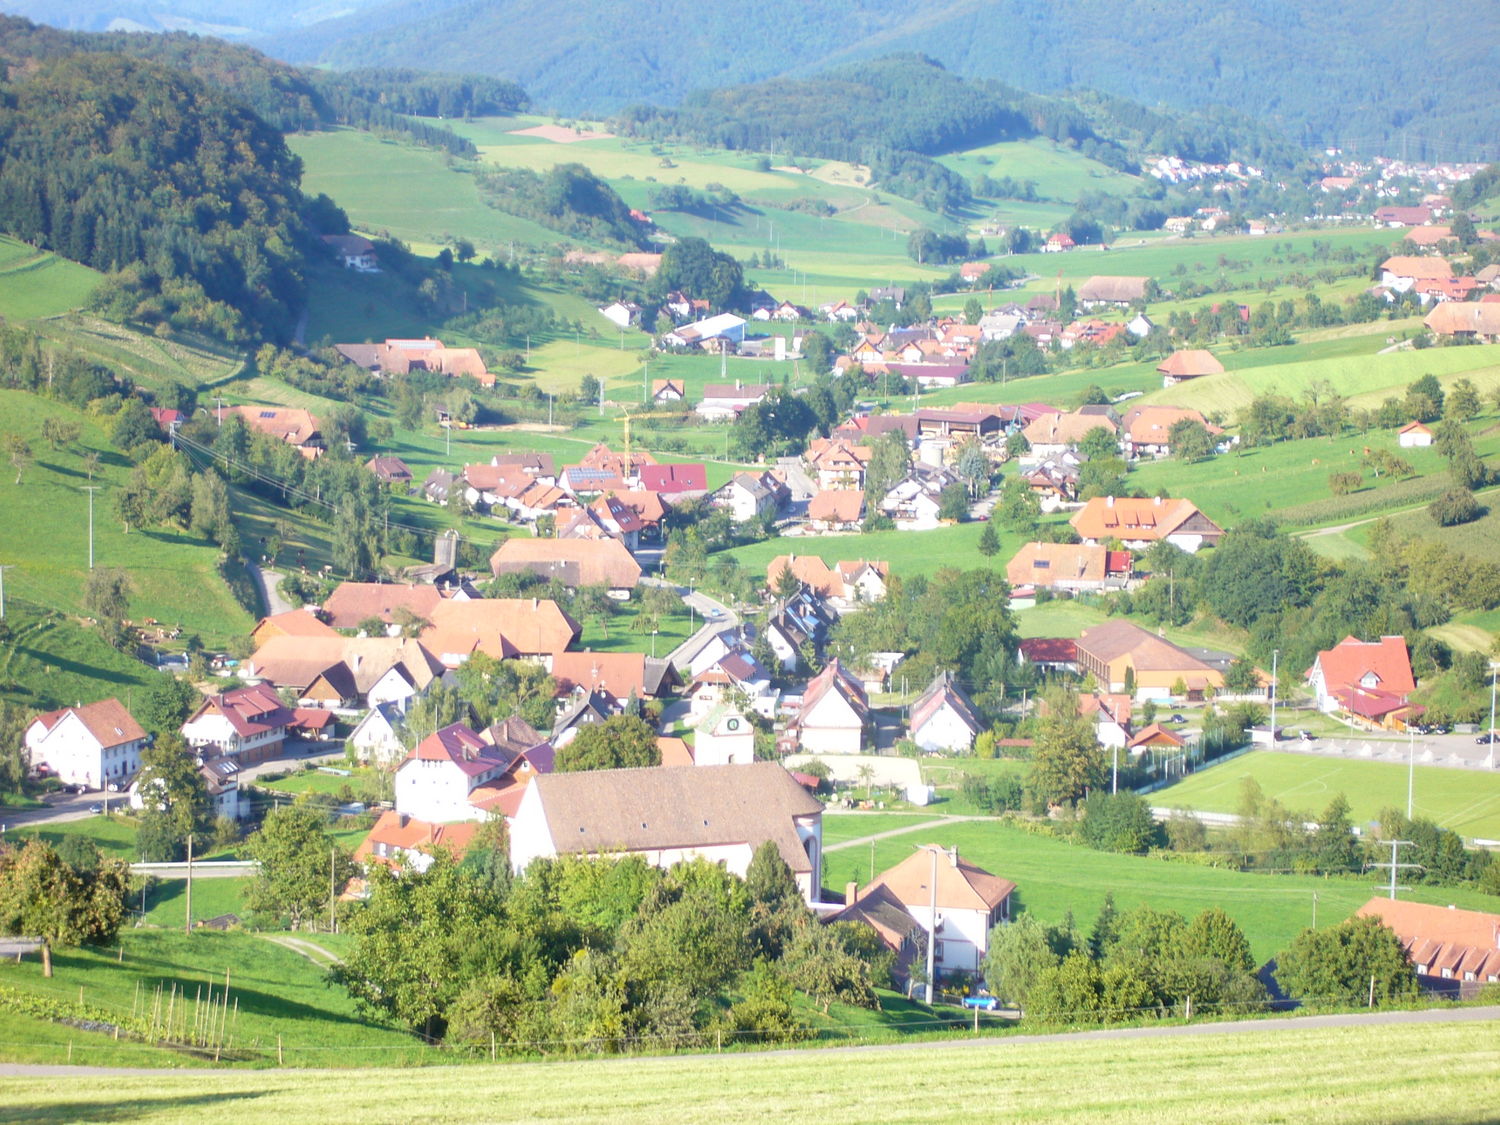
1467,801
1056,877
956,545
149,360
1442,1073
841,827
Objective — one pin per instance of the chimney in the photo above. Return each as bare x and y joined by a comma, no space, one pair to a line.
1109,501
1158,501
851,893
953,857
738,385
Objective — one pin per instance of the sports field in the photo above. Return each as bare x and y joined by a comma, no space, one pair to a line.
1467,801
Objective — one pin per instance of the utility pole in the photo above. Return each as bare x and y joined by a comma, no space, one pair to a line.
1395,866
1275,691
932,928
91,489
187,921
219,414
3,569
333,856
1411,767
1114,773
1494,667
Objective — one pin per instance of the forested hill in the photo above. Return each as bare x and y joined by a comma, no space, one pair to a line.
283,95
133,167
1413,78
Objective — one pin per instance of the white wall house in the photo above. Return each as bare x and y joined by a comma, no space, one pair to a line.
97,745
375,738
943,718
833,714
434,782
667,816
970,902
249,723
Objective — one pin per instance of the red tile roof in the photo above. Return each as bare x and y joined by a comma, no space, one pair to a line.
462,746
1349,662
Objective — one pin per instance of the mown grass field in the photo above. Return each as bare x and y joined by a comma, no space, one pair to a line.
173,574
36,283
1057,877
956,545
1467,801
148,360
1440,1073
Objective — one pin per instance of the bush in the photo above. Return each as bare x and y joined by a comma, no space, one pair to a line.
1455,506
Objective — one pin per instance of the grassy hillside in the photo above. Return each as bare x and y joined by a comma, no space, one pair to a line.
37,283
1343,1075
50,660
1466,801
146,359
173,574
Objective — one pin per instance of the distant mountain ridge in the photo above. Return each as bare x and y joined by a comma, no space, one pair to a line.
1419,79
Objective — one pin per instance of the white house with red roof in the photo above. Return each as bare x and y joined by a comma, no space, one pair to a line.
436,780
1369,681
248,723
1414,435
398,838
94,745
833,714
943,718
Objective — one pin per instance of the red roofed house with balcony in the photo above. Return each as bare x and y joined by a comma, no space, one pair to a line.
1368,681
398,838
90,745
249,723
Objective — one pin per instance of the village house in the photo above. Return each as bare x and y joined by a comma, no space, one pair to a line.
837,510
1414,435
676,481
1455,952
534,629
95,745
390,471
795,624
715,333
844,584
943,717
955,901
402,357
736,676
1191,363
1054,480
1074,567
668,816
752,496
1402,272
303,622
355,252
399,840
1112,714
838,463
573,562
345,672
1123,657
833,715
1367,682
1112,292
298,428
376,738
1465,320
1138,522
434,782
667,390
352,604
1049,654
723,402
622,675
622,314
249,724
1058,242
1053,434
1146,431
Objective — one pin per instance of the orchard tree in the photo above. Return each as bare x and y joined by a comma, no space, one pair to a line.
42,896
1066,758
301,867
619,742
1335,965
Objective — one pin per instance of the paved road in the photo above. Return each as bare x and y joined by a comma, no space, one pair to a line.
270,597
202,869
1447,751
1445,1014
922,827
60,807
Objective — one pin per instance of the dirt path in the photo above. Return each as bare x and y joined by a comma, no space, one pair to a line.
315,953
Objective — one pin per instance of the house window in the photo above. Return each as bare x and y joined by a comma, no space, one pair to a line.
1447,974
937,951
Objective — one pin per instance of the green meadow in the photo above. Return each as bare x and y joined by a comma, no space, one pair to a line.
37,283
51,660
1439,1072
1057,877
1467,801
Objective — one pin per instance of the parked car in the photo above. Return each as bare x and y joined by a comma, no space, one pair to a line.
983,1003
96,808
1488,738
1308,736
1178,719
